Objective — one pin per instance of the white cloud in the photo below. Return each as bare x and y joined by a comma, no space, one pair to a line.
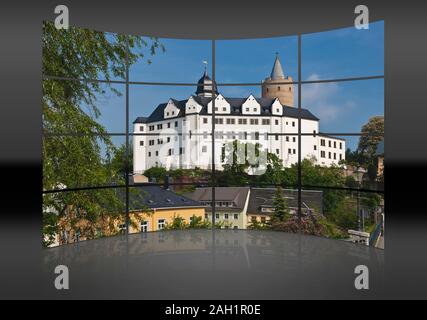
321,100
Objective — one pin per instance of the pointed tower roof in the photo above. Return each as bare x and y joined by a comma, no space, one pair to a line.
204,85
277,72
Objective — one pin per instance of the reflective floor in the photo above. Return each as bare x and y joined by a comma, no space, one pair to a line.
219,264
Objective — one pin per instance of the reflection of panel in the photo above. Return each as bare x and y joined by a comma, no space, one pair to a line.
343,53
83,53
82,161
180,61
343,107
68,108
253,60
75,216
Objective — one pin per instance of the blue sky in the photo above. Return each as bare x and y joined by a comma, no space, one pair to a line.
341,106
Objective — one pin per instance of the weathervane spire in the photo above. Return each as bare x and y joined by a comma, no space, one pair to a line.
205,62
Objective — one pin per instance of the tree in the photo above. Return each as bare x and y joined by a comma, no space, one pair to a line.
71,107
281,209
118,161
373,133
158,173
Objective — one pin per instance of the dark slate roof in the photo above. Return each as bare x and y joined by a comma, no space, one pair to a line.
205,84
141,120
263,197
236,109
380,148
156,197
237,195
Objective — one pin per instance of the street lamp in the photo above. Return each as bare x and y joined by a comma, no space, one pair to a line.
359,176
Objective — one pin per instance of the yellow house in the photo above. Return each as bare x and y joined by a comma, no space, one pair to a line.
152,208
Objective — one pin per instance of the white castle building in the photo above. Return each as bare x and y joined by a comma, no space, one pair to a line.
177,134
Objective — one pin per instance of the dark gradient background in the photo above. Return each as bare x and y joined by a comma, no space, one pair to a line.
405,274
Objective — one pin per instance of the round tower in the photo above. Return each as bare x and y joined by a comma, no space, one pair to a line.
276,86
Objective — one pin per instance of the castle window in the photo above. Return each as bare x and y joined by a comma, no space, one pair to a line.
170,152
287,139
335,144
322,142
340,156
247,109
141,143
169,124
340,145
277,151
293,123
159,126
157,153
256,135
224,109
267,89
254,121
315,147
335,156
141,128
278,88
290,89
168,139
254,109
149,154
295,151
329,155
243,121
204,149
294,139
277,137
276,122
205,120
176,124
322,154
265,121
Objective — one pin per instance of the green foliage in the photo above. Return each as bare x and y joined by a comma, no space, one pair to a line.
257,225
281,209
178,223
344,215
71,107
158,173
197,222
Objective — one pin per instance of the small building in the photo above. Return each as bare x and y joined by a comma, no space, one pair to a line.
231,204
261,205
152,208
